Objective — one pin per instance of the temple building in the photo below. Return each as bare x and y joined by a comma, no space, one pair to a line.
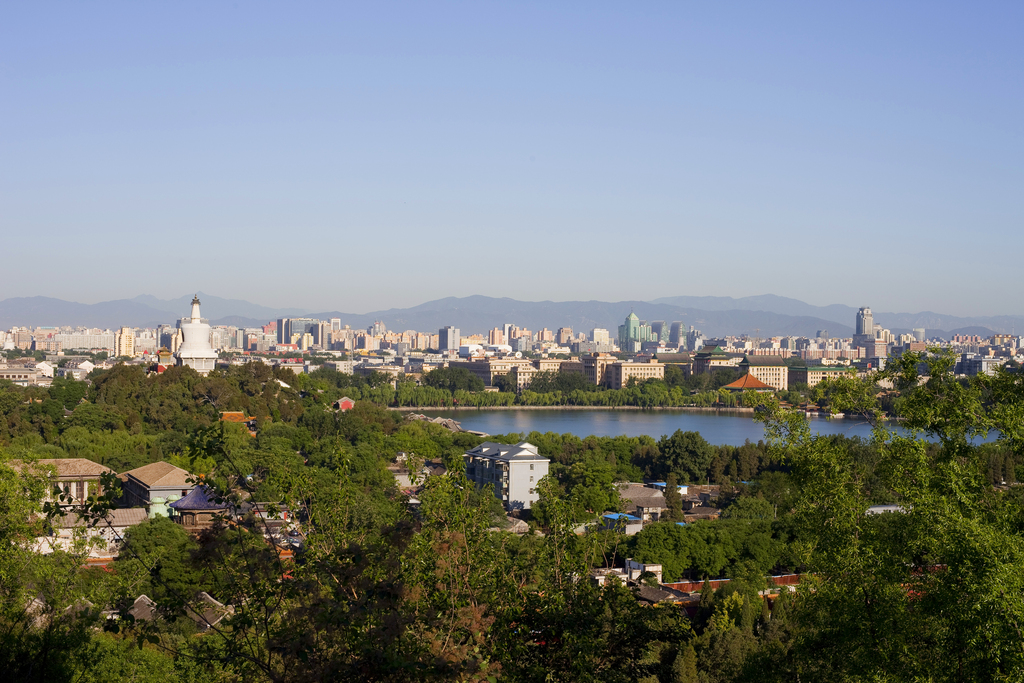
196,350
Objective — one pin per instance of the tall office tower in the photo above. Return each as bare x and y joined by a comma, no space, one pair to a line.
629,331
377,329
335,324
282,337
320,332
919,333
600,336
448,339
508,329
865,322
564,335
677,333
660,330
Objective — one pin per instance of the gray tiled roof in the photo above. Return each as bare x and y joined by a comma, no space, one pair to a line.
75,467
523,450
159,474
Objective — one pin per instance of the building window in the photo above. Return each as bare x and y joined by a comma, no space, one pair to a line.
531,465
531,480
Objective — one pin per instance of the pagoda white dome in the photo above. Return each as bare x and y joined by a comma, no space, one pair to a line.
196,350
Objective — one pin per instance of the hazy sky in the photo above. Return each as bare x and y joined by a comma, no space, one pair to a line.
373,155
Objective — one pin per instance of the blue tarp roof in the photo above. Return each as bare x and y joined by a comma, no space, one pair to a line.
198,498
621,515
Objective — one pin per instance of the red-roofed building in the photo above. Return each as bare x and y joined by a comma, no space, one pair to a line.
748,383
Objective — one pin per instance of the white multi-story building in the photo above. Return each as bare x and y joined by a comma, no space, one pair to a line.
513,471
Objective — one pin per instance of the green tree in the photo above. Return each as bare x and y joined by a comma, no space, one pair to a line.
673,499
936,591
453,379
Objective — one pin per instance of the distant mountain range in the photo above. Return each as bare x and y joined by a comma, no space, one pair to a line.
765,315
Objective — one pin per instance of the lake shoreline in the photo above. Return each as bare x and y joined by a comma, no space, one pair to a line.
468,409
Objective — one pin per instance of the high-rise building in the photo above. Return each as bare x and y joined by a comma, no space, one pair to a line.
677,333
496,336
296,327
600,335
633,332
659,330
448,339
865,322
282,332
919,334
124,342
377,329
335,324
564,335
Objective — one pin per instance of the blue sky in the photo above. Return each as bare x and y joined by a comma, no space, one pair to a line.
375,155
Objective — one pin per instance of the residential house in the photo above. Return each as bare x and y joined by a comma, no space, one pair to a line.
143,485
642,501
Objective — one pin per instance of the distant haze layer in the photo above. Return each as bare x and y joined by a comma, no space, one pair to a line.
766,315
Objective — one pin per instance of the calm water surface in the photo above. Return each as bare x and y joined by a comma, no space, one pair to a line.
716,428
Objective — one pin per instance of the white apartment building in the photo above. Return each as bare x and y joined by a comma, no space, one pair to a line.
513,471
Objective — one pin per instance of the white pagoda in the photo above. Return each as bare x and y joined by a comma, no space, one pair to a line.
196,351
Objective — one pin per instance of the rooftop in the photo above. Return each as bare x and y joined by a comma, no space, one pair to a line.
763,360
523,450
199,498
118,517
159,474
748,383
75,467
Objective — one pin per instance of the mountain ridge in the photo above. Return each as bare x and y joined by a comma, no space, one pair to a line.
715,316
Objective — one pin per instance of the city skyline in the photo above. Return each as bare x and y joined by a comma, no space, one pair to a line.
871,150
768,314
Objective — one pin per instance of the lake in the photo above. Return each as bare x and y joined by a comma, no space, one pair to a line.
717,428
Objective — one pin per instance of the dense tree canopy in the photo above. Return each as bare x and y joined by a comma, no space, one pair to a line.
386,588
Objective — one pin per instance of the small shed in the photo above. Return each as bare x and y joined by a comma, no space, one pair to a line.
344,403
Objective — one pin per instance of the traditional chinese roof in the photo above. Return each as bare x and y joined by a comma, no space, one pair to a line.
640,495
709,351
199,498
75,467
118,518
208,612
143,609
772,360
748,383
159,474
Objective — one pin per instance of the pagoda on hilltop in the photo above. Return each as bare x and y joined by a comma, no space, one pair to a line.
196,350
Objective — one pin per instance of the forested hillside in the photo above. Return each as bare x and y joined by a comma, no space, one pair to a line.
390,589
